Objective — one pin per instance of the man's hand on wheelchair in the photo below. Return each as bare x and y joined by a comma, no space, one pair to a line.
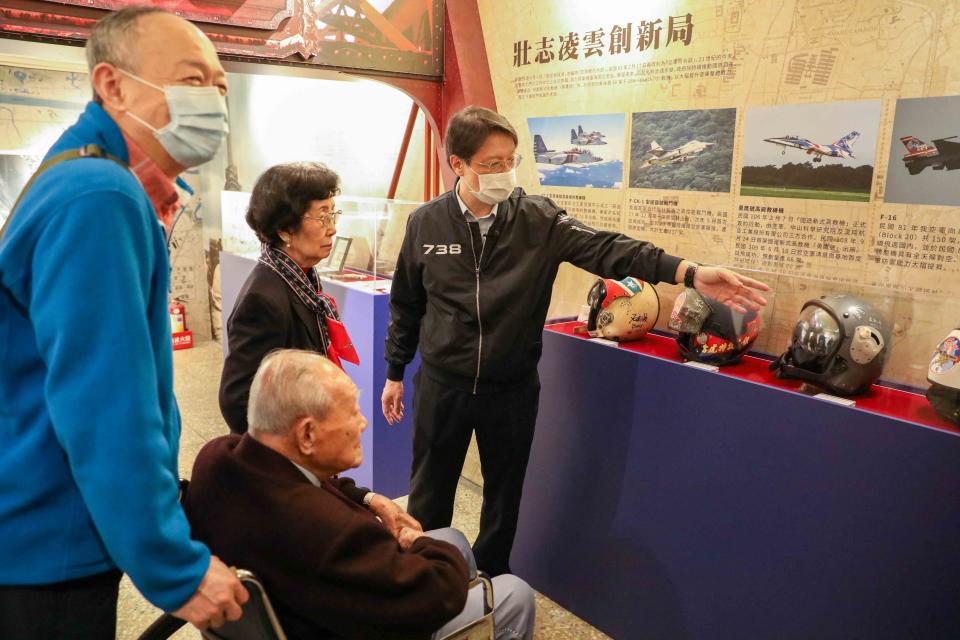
218,599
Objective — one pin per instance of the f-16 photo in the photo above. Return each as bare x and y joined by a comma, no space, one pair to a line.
942,154
828,154
687,150
579,151
925,152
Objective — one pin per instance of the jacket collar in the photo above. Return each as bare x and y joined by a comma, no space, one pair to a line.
275,464
94,126
258,455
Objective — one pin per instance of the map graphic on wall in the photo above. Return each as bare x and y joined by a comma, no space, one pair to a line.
685,150
924,166
823,151
36,105
578,151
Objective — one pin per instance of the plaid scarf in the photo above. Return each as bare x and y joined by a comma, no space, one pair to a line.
306,285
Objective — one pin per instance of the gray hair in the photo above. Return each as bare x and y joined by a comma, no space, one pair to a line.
112,37
288,385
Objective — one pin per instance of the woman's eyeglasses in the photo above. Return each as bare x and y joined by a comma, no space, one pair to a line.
326,219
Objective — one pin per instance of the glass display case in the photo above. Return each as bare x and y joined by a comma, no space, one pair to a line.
365,248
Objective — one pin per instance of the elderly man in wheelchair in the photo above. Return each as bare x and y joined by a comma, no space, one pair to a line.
268,502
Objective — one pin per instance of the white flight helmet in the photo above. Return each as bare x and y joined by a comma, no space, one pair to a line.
622,309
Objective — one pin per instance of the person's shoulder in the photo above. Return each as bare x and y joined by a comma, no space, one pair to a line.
264,285
88,184
439,206
90,175
537,208
218,448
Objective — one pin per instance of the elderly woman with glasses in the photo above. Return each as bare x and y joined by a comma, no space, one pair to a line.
282,305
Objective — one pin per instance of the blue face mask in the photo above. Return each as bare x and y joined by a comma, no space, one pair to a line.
198,122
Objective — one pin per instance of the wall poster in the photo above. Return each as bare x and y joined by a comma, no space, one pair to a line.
814,142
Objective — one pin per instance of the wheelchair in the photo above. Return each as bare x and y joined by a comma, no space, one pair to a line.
259,620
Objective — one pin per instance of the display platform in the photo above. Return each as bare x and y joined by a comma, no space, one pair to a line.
664,501
888,401
365,311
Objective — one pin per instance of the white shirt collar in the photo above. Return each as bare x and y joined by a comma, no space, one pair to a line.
314,480
466,210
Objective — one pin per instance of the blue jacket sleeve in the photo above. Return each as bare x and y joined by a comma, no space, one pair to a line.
96,265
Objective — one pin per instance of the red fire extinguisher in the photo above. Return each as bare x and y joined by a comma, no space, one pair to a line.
182,337
178,320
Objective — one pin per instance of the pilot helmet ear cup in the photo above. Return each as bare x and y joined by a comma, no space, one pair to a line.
840,343
622,310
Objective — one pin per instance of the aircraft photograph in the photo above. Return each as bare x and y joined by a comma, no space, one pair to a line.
572,155
690,150
566,154
830,153
924,152
839,149
577,136
941,154
684,152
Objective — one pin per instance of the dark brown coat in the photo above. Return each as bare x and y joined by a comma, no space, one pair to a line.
330,567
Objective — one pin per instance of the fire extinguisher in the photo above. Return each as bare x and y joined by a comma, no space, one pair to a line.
178,317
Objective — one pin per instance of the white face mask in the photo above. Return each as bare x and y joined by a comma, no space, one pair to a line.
495,187
198,122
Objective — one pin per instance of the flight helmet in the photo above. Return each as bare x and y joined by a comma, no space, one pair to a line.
622,309
944,376
840,343
711,332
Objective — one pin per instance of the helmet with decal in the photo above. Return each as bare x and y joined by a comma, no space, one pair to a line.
840,343
711,332
622,309
944,376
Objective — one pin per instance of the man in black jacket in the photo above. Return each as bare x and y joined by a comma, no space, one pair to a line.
472,288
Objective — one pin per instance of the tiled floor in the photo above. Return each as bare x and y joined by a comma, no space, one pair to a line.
197,377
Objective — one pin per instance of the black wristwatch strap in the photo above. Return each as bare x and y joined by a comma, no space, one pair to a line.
689,274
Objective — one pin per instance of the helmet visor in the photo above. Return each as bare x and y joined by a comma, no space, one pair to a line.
689,313
816,334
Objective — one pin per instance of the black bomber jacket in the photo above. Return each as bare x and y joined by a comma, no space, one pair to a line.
476,309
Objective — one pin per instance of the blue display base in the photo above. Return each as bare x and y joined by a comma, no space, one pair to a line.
663,501
387,451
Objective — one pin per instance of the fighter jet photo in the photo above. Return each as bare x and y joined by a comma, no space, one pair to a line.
579,137
573,155
940,155
839,149
684,152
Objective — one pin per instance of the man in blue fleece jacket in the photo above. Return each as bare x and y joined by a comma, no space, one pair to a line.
88,422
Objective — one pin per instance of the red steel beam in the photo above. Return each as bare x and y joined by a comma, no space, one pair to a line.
402,156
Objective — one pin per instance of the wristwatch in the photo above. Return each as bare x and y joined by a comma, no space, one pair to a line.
690,273
368,498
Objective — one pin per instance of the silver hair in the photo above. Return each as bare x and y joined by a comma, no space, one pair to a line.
112,38
288,385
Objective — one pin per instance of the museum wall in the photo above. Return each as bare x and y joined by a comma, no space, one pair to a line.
770,137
